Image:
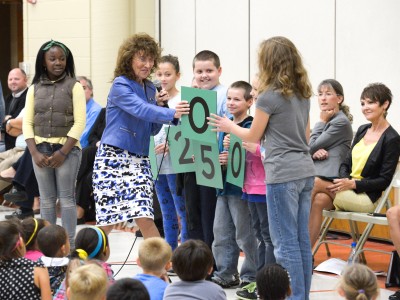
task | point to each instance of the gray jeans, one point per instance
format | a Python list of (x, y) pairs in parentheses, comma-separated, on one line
[(59, 183)]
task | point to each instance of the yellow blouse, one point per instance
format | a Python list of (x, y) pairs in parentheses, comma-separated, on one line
[(359, 157)]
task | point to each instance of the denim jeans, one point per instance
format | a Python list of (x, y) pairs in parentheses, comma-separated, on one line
[(232, 232), (288, 213), (59, 183), (259, 220), (171, 206)]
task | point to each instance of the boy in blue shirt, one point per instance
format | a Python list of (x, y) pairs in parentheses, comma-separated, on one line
[(155, 259), (232, 222)]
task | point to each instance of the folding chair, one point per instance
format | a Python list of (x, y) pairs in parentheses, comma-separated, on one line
[(330, 216), (383, 202)]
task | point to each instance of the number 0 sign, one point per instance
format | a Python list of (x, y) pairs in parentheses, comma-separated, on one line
[(237, 158), (202, 103)]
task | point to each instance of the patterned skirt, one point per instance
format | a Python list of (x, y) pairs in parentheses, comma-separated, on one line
[(122, 186)]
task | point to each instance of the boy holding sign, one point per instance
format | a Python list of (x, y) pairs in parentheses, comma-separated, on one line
[(201, 200), (232, 222)]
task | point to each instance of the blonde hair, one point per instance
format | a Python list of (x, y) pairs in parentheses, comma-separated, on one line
[(154, 254), (359, 282), (281, 68), (88, 282)]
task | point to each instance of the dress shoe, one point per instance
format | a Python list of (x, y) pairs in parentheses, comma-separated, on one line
[(20, 215), (15, 196)]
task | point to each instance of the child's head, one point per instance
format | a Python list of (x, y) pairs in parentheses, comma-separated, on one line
[(281, 68), (91, 243), (206, 69), (192, 260), (273, 283), (88, 282), (358, 282), (50, 52), (11, 243), (31, 228), (128, 289), (154, 255), (168, 72), (239, 99), (53, 241)]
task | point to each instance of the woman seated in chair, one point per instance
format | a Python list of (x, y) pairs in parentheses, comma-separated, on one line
[(329, 144), (368, 167)]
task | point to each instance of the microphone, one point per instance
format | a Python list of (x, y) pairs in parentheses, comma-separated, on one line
[(157, 84)]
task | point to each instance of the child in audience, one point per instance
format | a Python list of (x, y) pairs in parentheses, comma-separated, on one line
[(193, 262), (171, 203), (128, 289), (155, 259), (20, 278), (358, 282), (31, 228), (92, 243), (88, 282), (273, 283), (201, 200), (73, 264), (53, 242), (232, 223)]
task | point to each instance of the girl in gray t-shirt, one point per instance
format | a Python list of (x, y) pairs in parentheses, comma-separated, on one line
[(281, 120)]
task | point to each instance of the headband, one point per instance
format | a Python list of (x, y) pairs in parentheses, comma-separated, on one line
[(34, 232), (102, 238), (53, 43)]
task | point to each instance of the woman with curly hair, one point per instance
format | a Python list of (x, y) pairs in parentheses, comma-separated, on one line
[(282, 121), (122, 179)]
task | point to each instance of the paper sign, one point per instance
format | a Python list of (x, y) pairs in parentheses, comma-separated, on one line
[(236, 162)]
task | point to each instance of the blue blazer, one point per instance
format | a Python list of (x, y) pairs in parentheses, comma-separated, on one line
[(132, 115)]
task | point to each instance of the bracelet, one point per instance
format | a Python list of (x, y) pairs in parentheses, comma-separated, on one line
[(62, 153)]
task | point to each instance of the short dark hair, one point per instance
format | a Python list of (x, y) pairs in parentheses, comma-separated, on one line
[(127, 289), (192, 260), (273, 283), (51, 238), (244, 86), (207, 55), (377, 92)]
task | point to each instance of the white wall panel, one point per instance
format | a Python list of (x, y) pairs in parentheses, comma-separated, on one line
[(310, 25), (223, 27), (178, 34), (368, 48)]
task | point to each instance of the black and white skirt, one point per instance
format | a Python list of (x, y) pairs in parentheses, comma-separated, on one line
[(122, 186)]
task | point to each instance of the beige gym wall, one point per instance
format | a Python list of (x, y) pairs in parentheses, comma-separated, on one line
[(92, 29)]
